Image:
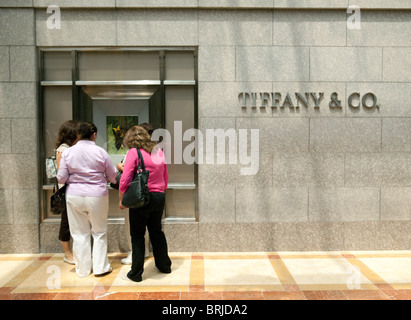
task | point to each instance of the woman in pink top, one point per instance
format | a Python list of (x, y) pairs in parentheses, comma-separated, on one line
[(150, 215)]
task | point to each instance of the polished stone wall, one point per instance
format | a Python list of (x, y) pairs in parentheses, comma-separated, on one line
[(328, 179), (19, 193)]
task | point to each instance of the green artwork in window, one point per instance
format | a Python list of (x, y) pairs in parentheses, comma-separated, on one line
[(117, 127)]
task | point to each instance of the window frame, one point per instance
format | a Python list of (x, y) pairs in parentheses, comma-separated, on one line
[(75, 83)]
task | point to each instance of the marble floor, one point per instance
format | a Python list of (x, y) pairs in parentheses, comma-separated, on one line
[(365, 275)]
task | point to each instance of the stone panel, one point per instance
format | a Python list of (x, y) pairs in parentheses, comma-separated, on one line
[(308, 169), (239, 27), (381, 4), (222, 175), (6, 205), (82, 27), (24, 135), (232, 4), (16, 3), (336, 4), (216, 63), (377, 235), (23, 63), (396, 134), (221, 99), (392, 99), (227, 237), (26, 206), (182, 237), (18, 100), (378, 169), (76, 3), (381, 28), (16, 27), (268, 63), (309, 28), (345, 64), (344, 204), (5, 134), (259, 171), (266, 204), (308, 236), (216, 205), (4, 63), (18, 172), (397, 63), (21, 238), (216, 123), (396, 203), (146, 27), (156, 3), (345, 135), (279, 134)]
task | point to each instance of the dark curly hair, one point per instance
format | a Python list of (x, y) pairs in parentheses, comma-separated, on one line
[(67, 133), (86, 130)]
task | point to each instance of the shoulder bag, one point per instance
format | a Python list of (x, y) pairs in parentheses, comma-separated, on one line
[(58, 199), (137, 194)]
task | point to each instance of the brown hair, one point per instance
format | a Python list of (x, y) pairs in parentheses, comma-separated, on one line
[(67, 133), (138, 137), (148, 127)]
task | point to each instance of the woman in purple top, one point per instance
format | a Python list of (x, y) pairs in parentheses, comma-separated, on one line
[(85, 168)]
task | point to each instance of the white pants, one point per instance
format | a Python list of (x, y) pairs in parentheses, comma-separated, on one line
[(88, 217)]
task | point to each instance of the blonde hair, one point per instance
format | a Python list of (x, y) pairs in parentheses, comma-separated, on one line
[(138, 137)]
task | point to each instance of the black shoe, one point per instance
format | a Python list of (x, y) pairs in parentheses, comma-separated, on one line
[(166, 270), (125, 277)]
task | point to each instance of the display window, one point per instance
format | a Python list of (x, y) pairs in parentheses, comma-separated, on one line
[(116, 88)]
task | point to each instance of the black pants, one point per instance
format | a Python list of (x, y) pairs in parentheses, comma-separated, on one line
[(148, 216), (64, 233)]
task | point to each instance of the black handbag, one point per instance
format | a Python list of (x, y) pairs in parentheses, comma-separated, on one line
[(117, 184), (137, 194), (58, 199)]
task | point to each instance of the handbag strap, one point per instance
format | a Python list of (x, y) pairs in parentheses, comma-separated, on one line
[(56, 186), (141, 160)]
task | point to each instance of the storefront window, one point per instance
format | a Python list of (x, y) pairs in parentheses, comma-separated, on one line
[(133, 85)]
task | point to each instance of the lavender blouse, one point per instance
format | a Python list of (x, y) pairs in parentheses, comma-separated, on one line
[(86, 167)]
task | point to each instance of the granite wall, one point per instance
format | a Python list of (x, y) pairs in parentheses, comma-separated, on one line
[(328, 179)]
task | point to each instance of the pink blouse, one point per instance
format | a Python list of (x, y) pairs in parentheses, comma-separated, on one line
[(155, 163)]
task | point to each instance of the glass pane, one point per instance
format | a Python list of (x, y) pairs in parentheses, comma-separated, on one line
[(57, 66), (180, 204), (123, 113), (179, 65), (179, 118), (57, 110), (118, 66)]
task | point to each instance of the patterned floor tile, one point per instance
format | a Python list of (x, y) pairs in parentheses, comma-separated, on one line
[(359, 275)]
